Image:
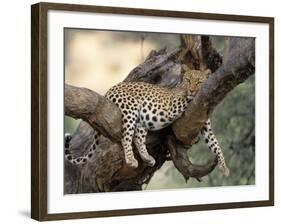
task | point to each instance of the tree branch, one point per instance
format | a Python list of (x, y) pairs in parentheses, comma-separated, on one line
[(93, 108), (183, 164)]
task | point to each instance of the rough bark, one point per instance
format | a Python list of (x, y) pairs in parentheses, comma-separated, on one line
[(107, 171), (93, 108), (182, 162)]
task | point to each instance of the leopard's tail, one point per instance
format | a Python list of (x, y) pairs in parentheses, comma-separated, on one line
[(79, 160)]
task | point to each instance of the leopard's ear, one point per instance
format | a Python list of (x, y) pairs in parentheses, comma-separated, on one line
[(207, 72), (185, 68)]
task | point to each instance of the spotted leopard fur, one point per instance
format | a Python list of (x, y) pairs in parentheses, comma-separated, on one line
[(147, 107)]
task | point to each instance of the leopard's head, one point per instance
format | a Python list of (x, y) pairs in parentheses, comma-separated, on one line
[(193, 79)]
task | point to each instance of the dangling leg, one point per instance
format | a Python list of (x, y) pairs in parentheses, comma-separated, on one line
[(211, 141), (127, 139), (139, 140)]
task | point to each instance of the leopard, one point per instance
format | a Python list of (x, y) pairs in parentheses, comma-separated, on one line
[(149, 107)]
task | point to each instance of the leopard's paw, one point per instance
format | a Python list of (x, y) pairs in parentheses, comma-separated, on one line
[(148, 159), (224, 170), (132, 162), (151, 162)]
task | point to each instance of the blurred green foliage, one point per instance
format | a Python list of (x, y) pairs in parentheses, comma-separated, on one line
[(70, 124)]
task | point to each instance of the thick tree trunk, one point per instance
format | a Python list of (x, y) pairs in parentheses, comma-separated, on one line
[(107, 170)]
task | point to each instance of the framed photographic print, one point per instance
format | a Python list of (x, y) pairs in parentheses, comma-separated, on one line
[(138, 111)]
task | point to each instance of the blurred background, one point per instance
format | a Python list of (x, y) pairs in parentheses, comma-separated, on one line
[(100, 59)]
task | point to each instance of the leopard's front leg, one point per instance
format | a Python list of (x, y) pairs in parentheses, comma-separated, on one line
[(211, 141)]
